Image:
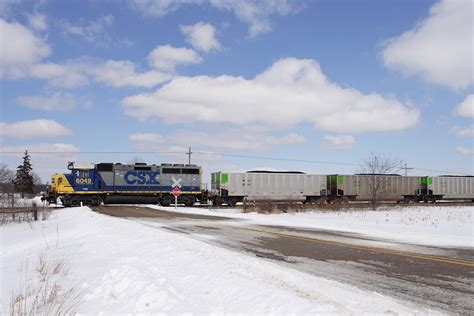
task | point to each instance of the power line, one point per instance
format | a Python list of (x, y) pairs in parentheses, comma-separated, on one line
[(278, 159), (216, 154), (312, 161), (89, 152)]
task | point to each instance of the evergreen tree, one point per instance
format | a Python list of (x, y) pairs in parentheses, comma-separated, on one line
[(24, 179)]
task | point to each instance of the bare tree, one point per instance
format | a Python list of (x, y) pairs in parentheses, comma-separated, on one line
[(377, 168), (36, 178), (6, 174)]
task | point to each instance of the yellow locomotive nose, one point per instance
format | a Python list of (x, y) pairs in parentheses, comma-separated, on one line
[(60, 184)]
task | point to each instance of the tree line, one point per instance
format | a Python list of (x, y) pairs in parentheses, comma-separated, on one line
[(24, 180)]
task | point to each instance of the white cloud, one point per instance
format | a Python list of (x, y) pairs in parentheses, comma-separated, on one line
[(67, 75), (256, 13), (46, 158), (290, 92), (340, 141), (439, 49), (93, 31), (146, 140), (466, 107), (19, 49), (166, 57), (201, 36), (464, 151), (24, 54), (121, 73), (464, 131), (158, 8), (23, 58), (244, 139), (40, 128), (58, 101), (114, 73), (37, 21)]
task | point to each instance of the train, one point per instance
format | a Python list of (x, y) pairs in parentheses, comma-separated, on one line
[(112, 183), (231, 188)]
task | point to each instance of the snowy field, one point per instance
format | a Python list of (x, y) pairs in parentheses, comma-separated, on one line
[(435, 225), (118, 266)]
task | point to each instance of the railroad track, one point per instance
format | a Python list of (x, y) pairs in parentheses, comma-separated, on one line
[(336, 206), (282, 206)]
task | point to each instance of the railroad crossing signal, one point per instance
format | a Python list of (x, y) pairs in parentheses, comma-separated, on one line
[(176, 192)]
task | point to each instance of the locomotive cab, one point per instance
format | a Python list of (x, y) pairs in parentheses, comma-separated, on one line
[(59, 185)]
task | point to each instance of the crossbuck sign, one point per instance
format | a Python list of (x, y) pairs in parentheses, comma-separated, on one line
[(176, 183)]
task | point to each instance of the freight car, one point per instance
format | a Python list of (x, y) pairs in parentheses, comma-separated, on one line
[(449, 188), (108, 183), (365, 187), (231, 188)]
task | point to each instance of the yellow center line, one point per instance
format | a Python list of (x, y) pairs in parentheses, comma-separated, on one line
[(368, 248)]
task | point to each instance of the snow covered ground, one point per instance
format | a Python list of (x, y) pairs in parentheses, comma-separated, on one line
[(6, 201), (435, 225), (121, 266)]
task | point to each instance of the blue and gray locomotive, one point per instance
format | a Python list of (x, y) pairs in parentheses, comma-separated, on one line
[(112, 183)]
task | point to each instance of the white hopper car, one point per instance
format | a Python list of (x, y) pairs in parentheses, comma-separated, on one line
[(363, 187), (231, 188), (450, 188)]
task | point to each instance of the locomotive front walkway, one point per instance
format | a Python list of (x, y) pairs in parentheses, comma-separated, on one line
[(439, 278)]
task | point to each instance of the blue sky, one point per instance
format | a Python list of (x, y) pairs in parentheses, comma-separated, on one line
[(310, 80)]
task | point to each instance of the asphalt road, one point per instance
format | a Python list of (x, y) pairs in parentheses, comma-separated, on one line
[(438, 278)]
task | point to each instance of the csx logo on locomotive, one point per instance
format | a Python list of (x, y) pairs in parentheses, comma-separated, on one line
[(142, 177)]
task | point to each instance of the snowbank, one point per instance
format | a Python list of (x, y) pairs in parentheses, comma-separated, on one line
[(122, 266), (435, 225)]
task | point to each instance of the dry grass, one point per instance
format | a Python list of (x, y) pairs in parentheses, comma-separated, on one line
[(45, 292), (22, 211), (270, 207), (273, 207), (11, 216)]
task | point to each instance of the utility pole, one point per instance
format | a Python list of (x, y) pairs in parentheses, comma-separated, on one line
[(406, 169), (189, 153)]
